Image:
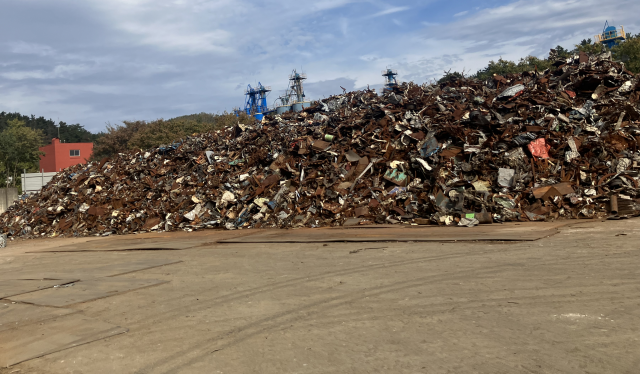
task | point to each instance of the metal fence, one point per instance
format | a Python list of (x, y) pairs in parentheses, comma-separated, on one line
[(33, 182)]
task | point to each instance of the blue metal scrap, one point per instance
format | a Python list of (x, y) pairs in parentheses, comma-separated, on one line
[(396, 176), (429, 147)]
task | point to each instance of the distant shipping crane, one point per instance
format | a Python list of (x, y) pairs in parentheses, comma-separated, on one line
[(390, 80), (255, 103), (294, 97), (610, 36)]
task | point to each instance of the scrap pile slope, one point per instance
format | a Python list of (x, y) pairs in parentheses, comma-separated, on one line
[(533, 146)]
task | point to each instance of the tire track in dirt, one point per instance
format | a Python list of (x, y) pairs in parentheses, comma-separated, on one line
[(291, 316), (206, 304)]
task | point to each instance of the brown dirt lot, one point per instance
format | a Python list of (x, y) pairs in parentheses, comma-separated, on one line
[(566, 303)]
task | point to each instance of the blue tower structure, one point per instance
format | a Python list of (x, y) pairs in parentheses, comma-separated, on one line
[(390, 80), (610, 36), (255, 103)]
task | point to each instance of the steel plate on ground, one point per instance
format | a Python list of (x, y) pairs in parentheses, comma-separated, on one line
[(84, 291), (87, 271), (495, 232), (12, 287), (17, 315), (40, 339)]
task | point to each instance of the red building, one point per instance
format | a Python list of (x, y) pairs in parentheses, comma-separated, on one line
[(58, 156)]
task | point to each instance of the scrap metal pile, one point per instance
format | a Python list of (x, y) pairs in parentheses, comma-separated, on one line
[(533, 146)]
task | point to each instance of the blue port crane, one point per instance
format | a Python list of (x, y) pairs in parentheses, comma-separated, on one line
[(255, 103), (390, 80), (610, 36)]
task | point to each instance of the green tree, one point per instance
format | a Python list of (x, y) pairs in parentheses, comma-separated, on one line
[(75, 133), (629, 52), (199, 117), (67, 133), (46, 126), (591, 48), (585, 42), (500, 67), (504, 67), (116, 139), (142, 135), (161, 132), (19, 149), (450, 77), (563, 52), (531, 63), (229, 119)]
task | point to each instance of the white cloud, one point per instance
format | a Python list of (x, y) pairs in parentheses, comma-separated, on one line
[(60, 71), (532, 19), (174, 38), (221, 26), (19, 75), (146, 59), (390, 11), (23, 100), (189, 26), (328, 4), (518, 29), (369, 58), (344, 26), (31, 48)]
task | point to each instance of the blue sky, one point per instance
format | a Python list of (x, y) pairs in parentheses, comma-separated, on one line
[(104, 61)]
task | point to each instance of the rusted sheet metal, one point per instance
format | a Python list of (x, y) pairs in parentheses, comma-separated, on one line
[(508, 232)]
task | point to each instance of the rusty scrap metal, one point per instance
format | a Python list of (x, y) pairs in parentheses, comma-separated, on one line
[(532, 146)]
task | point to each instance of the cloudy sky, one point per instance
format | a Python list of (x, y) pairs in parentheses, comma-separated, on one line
[(95, 62)]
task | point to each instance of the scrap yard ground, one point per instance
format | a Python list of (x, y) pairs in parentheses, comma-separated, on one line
[(513, 298)]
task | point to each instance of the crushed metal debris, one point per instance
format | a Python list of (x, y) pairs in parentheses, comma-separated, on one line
[(526, 147)]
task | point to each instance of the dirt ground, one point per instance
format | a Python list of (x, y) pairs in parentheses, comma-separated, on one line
[(566, 303)]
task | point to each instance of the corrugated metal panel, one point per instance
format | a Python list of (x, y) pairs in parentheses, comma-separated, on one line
[(33, 182)]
